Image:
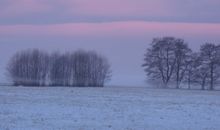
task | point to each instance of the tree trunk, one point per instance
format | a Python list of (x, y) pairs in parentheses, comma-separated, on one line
[(177, 79), (189, 81), (203, 84), (212, 78)]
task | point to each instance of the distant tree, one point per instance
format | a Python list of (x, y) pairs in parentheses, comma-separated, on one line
[(167, 59), (91, 69), (204, 67), (100, 69), (38, 67), (80, 68), (29, 68), (160, 59), (60, 69), (54, 69), (182, 56), (191, 69), (210, 56), (16, 70), (198, 71)]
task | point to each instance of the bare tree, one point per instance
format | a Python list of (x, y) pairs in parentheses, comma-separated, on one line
[(201, 73), (38, 65), (29, 68), (90, 69), (192, 63), (14, 69), (60, 69), (204, 68), (54, 72), (210, 56), (160, 59), (197, 72), (99, 69), (182, 55), (80, 68), (168, 59)]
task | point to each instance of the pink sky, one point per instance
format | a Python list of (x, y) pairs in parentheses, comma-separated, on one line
[(88, 7), (30, 11), (117, 29)]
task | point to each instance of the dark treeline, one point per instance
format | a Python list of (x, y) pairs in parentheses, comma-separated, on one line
[(38, 68), (171, 60)]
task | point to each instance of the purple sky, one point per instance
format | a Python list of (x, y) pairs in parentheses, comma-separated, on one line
[(119, 29)]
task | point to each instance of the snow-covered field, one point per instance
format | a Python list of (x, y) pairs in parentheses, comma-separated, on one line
[(108, 109)]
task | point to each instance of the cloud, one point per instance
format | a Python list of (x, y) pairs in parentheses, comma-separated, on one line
[(120, 8), (111, 29), (57, 11), (15, 8)]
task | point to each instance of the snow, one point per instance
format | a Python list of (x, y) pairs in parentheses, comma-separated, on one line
[(110, 108)]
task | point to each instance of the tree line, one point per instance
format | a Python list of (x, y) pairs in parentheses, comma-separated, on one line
[(170, 60), (38, 68)]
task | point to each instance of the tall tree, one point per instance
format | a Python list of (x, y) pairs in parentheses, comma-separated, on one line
[(160, 59), (210, 54), (29, 68), (182, 55), (191, 69), (199, 71)]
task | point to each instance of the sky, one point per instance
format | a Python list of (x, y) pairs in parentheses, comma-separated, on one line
[(119, 29)]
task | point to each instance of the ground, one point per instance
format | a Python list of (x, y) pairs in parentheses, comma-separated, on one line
[(110, 108)]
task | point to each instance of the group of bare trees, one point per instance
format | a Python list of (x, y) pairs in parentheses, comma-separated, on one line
[(38, 68), (171, 60), (29, 68)]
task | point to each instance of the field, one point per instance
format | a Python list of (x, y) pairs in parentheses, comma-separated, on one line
[(110, 108)]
